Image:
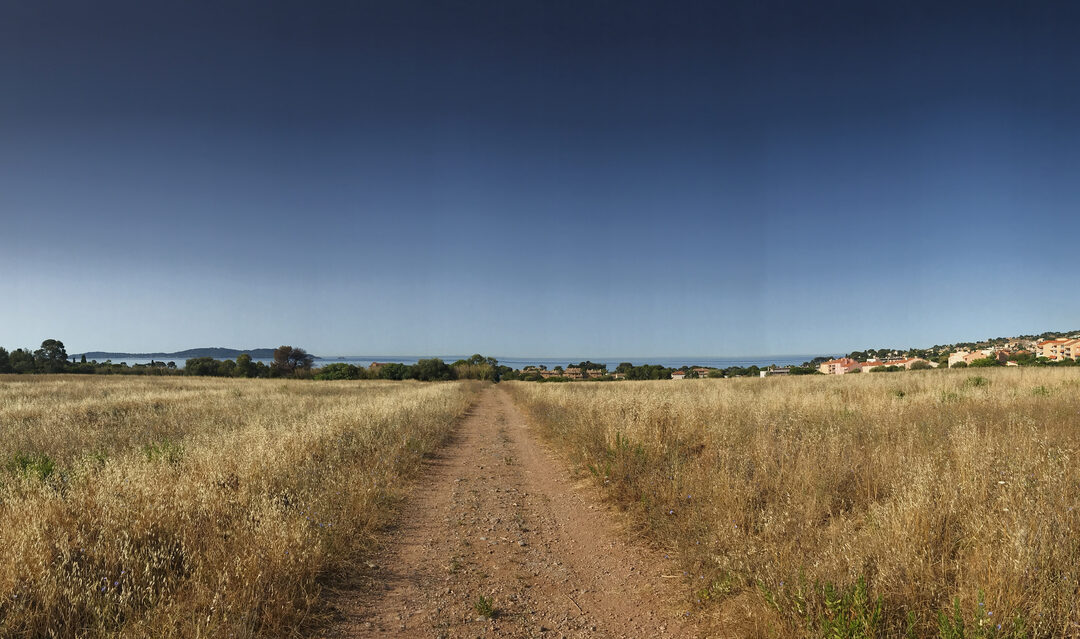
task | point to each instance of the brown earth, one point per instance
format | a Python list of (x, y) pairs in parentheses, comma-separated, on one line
[(497, 515)]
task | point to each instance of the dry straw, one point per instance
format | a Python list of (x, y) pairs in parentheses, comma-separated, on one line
[(181, 507), (936, 503)]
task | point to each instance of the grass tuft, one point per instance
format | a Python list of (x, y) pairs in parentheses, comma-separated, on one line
[(485, 607)]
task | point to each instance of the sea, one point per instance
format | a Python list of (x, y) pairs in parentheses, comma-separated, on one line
[(549, 362)]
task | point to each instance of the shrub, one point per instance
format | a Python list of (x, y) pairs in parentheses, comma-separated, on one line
[(339, 371), (394, 371), (431, 370), (34, 465)]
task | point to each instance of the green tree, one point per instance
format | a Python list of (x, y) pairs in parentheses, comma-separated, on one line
[(5, 362), (394, 371), (52, 356), (244, 366), (338, 371), (430, 370), (226, 368), (203, 366), (289, 360), (22, 361)]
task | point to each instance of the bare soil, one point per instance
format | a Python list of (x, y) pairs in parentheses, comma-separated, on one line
[(497, 515)]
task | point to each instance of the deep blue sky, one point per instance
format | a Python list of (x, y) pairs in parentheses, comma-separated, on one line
[(537, 178)]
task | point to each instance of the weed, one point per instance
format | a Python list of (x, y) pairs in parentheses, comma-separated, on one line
[(850, 612), (1040, 391), (165, 450), (976, 381), (948, 397), (980, 623), (951, 627), (485, 607), (33, 465)]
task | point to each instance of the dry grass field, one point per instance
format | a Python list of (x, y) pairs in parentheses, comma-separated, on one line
[(196, 507), (936, 503)]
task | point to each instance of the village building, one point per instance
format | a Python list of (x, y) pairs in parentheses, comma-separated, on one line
[(774, 372), (573, 372), (970, 356), (1058, 349), (902, 362), (838, 366), (702, 372), (678, 375), (908, 362)]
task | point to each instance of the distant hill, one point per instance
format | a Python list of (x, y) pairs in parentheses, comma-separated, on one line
[(215, 352)]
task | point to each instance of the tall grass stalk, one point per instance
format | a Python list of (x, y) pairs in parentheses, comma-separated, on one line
[(866, 505), (182, 507)]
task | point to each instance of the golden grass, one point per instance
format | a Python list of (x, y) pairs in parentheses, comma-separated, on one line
[(196, 507), (783, 497)]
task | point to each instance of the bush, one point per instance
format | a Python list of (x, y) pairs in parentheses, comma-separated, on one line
[(201, 366), (394, 371), (339, 371), (432, 370)]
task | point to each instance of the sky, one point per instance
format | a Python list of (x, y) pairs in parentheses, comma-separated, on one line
[(527, 178)]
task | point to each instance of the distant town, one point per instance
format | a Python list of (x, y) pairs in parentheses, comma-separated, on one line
[(1047, 349)]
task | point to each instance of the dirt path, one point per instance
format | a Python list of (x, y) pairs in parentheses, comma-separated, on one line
[(497, 516)]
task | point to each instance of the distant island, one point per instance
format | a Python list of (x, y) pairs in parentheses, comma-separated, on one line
[(216, 352)]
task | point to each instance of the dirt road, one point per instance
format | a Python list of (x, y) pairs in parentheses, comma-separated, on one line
[(497, 516)]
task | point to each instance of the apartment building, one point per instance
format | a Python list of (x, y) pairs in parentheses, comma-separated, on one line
[(1058, 349), (839, 366)]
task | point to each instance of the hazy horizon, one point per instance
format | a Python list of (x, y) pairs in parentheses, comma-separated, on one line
[(561, 177)]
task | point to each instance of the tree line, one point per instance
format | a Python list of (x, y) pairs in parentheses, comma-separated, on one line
[(52, 357), (289, 362)]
